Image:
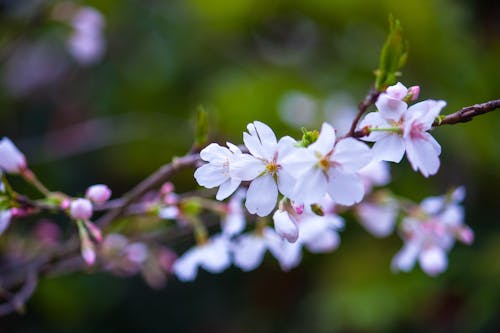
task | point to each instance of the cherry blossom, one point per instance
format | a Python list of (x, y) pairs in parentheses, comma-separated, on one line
[(217, 171), (267, 169), (234, 221), (212, 256), (86, 43), (430, 233), (329, 167), (11, 159), (378, 218), (397, 128)]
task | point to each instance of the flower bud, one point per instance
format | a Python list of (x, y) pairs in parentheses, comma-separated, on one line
[(11, 159), (88, 253), (81, 209), (167, 188), (413, 93), (465, 235), (285, 227), (98, 193)]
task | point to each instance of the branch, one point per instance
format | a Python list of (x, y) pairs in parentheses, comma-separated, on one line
[(468, 113), (16, 303), (154, 180), (370, 99)]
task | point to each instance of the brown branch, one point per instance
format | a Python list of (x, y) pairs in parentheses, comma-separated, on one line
[(154, 180), (468, 113), (369, 100)]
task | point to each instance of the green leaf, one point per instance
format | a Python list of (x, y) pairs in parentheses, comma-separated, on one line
[(201, 131), (393, 56)]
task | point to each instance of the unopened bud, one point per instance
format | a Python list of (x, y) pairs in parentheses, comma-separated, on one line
[(167, 188), (81, 209), (88, 253), (413, 93), (11, 159), (98, 193)]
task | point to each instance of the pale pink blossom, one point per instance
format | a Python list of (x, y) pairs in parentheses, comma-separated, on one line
[(233, 222), (212, 256), (375, 173), (98, 193), (329, 167), (11, 159), (266, 169), (81, 209), (431, 233), (397, 128), (87, 44), (378, 218), (217, 171)]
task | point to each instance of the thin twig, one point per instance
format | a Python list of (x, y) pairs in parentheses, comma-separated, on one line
[(16, 303), (369, 100), (154, 180)]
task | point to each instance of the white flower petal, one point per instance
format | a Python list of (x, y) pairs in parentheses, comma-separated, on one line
[(262, 195), (210, 175), (397, 91), (390, 108), (254, 145), (214, 256), (390, 148), (286, 182), (246, 167), (249, 252), (351, 154), (214, 152), (311, 187), (378, 219), (227, 188), (433, 260), (405, 259), (326, 140), (186, 267), (326, 241), (345, 188), (11, 159), (422, 156)]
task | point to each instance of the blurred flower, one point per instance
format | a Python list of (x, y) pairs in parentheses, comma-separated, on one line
[(98, 193), (378, 218), (47, 232), (430, 233), (298, 109), (375, 173), (234, 220), (11, 159), (87, 44), (213, 256)]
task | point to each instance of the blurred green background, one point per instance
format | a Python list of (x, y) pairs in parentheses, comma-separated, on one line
[(116, 121)]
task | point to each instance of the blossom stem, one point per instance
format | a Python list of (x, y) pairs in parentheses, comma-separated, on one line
[(31, 178)]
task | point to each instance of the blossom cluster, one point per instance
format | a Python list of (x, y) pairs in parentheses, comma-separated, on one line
[(303, 181)]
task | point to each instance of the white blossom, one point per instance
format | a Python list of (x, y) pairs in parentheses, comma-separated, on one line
[(325, 167), (212, 256), (267, 169), (5, 217), (378, 218), (217, 171), (234, 221)]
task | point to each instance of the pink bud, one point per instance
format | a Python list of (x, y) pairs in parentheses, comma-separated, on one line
[(299, 209), (98, 193), (11, 159), (171, 199), (94, 231), (81, 209), (413, 92), (167, 188), (88, 253), (66, 203), (465, 235)]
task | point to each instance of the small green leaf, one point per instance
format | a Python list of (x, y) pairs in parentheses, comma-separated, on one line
[(393, 56), (201, 131)]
